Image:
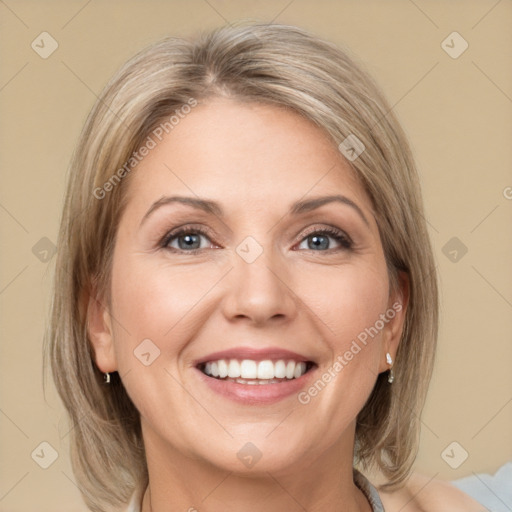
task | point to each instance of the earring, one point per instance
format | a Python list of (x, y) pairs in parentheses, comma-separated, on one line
[(107, 378), (389, 360)]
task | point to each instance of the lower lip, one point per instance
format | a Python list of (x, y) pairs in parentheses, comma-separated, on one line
[(254, 394)]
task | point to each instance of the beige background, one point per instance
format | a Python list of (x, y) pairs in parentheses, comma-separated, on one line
[(457, 112)]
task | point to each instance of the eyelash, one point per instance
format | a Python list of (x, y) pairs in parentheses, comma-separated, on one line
[(343, 239)]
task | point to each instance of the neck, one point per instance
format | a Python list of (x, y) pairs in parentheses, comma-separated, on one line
[(181, 482)]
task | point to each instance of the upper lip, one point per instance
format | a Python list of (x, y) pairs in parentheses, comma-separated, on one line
[(255, 354)]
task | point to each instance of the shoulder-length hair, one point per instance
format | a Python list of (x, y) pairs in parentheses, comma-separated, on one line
[(271, 64)]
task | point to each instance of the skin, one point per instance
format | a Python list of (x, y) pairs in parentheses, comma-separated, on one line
[(255, 161)]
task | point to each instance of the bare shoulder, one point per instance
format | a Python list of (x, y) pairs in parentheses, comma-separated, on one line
[(425, 494)]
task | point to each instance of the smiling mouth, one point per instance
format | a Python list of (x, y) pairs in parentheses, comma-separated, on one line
[(251, 372)]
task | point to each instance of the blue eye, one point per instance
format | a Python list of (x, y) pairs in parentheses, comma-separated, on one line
[(320, 240), (189, 240)]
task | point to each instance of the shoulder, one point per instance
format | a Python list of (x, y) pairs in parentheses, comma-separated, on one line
[(425, 494)]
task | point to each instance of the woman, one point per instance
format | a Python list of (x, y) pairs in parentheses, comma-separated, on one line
[(245, 298)]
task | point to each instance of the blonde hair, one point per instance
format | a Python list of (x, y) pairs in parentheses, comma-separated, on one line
[(276, 65)]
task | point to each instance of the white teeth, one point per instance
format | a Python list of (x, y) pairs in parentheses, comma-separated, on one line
[(223, 368), (234, 369), (279, 370), (248, 371), (266, 370), (290, 370), (299, 369)]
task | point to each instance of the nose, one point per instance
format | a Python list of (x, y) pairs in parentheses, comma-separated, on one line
[(260, 291)]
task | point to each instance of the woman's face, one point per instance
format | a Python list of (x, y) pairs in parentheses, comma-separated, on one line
[(253, 286)]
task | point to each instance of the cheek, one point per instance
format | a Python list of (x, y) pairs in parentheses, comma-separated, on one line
[(153, 301), (350, 304), (155, 309), (349, 300)]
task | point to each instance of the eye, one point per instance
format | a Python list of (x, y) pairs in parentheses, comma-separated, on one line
[(318, 240), (186, 239)]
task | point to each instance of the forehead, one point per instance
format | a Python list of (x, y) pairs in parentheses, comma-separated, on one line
[(247, 154)]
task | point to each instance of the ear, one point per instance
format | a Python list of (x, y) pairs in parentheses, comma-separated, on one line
[(99, 329), (396, 312)]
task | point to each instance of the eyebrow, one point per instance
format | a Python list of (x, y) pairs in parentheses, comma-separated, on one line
[(214, 208)]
